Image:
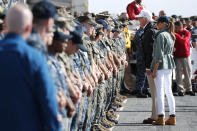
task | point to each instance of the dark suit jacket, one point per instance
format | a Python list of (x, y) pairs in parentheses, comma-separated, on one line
[(147, 43)]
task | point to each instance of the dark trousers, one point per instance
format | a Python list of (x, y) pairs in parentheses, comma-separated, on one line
[(141, 79)]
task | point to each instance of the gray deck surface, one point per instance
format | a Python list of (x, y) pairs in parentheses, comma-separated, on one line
[(137, 109)]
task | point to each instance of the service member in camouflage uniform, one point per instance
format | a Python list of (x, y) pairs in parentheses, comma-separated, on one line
[(58, 74), (88, 24), (141, 80), (110, 64)]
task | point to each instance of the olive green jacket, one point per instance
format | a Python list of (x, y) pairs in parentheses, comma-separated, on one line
[(163, 51)]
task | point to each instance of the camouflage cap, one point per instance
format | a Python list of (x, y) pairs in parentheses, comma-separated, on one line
[(116, 29), (101, 16), (65, 20), (63, 13), (110, 22), (91, 15), (66, 25), (60, 35), (106, 13), (86, 19)]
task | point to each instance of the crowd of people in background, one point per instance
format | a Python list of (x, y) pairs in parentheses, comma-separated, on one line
[(162, 44), (71, 72)]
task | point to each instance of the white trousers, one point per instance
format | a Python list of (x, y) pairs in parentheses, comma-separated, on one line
[(163, 83)]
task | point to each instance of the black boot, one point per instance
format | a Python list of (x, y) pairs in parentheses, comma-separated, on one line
[(141, 95)]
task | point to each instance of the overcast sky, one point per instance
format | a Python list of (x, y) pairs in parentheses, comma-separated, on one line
[(185, 8)]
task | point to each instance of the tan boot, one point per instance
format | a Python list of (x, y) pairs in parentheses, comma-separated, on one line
[(104, 120), (102, 128), (118, 103), (159, 121), (171, 121), (99, 127), (114, 116), (121, 96)]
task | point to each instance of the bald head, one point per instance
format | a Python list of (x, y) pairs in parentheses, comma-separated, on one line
[(161, 13), (19, 20)]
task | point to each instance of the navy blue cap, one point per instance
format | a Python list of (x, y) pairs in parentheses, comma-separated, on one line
[(104, 23), (44, 10), (59, 35), (175, 16), (163, 19), (77, 22), (116, 30), (77, 39), (79, 26)]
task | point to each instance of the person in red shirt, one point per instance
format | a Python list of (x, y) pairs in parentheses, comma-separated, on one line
[(134, 8), (182, 59)]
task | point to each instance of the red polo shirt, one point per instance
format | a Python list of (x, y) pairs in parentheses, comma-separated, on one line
[(134, 9), (182, 44)]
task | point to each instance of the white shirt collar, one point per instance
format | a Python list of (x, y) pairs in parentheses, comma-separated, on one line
[(145, 25)]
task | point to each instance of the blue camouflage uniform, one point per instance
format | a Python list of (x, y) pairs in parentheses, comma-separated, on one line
[(101, 89), (36, 41), (60, 82), (84, 104), (77, 67), (141, 79), (105, 91), (118, 50)]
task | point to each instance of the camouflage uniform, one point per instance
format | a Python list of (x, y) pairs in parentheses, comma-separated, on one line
[(105, 43), (109, 87), (84, 104), (113, 83), (36, 41), (122, 69), (60, 82), (77, 67), (101, 88), (93, 101), (117, 50), (66, 62), (141, 80), (88, 59)]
